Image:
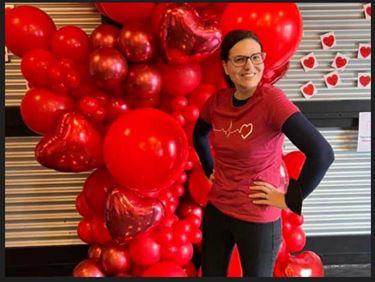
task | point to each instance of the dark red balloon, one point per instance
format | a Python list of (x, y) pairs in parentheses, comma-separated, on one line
[(180, 79), (92, 108), (82, 207), (27, 28), (115, 259), (127, 12), (137, 43), (95, 252), (272, 22), (144, 250), (186, 37), (108, 66), (153, 143), (189, 207), (84, 231), (41, 109), (70, 42), (74, 146), (143, 81), (88, 268), (116, 107), (165, 269), (104, 35), (35, 65)]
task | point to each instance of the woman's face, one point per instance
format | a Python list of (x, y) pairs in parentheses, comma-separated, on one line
[(246, 76)]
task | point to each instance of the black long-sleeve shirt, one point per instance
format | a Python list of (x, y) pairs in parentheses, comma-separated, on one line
[(299, 130)]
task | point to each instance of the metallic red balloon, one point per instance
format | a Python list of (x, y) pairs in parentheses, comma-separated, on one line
[(186, 37), (70, 42), (115, 259), (143, 81), (95, 252), (128, 214), (108, 66), (104, 35), (74, 146), (88, 268), (27, 28), (41, 109), (137, 43), (116, 106), (145, 150), (305, 264)]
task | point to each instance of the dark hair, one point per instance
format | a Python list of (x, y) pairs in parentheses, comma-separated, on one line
[(231, 39)]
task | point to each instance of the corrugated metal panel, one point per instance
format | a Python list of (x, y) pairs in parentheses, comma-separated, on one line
[(341, 204), (39, 202), (82, 15), (348, 23)]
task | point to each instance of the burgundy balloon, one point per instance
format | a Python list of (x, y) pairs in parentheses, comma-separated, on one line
[(95, 252), (88, 268), (115, 259), (104, 35), (92, 108), (128, 214), (116, 106), (143, 81), (186, 37), (137, 43), (108, 66), (74, 146)]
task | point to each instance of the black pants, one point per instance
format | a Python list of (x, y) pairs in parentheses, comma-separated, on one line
[(257, 243)]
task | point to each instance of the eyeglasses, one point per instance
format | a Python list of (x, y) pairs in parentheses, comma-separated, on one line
[(256, 59)]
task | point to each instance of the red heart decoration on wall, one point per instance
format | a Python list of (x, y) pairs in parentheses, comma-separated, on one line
[(329, 40), (368, 11), (128, 214), (365, 51), (186, 37), (333, 79), (309, 89), (365, 80), (75, 146), (340, 62), (309, 62)]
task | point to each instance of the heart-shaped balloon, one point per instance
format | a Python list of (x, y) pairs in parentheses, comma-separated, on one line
[(306, 264), (187, 37), (128, 214), (74, 146)]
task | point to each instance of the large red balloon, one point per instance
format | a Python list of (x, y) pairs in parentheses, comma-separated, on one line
[(145, 150), (127, 12), (41, 109), (143, 81), (27, 28), (180, 79), (88, 268), (278, 26), (71, 42), (165, 269)]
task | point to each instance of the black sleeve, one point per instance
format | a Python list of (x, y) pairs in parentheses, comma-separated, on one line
[(319, 157), (202, 145)]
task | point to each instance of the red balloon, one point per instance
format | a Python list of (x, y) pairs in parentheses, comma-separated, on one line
[(293, 218), (295, 241), (188, 208), (100, 231), (191, 113), (95, 252), (143, 81), (213, 72), (272, 22), (186, 37), (305, 264), (115, 259), (190, 269), (180, 79), (164, 235), (201, 94), (27, 28), (184, 254), (199, 186), (96, 189), (235, 268), (164, 269), (137, 43), (74, 146), (104, 35), (282, 255), (92, 108), (88, 268), (108, 66), (41, 109), (84, 231), (127, 12), (82, 206), (34, 66), (271, 76), (144, 250), (294, 162), (127, 214), (153, 143), (136, 102), (70, 42)]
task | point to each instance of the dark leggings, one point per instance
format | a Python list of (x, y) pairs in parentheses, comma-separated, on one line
[(257, 243)]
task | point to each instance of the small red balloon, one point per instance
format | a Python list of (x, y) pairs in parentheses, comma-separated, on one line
[(88, 268), (115, 259), (84, 231), (95, 252), (82, 206), (104, 35), (143, 81), (165, 269), (144, 250)]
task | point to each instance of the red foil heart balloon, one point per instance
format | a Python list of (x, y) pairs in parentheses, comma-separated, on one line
[(187, 37), (75, 146), (305, 264), (128, 214)]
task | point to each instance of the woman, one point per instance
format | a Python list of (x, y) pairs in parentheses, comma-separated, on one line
[(248, 121)]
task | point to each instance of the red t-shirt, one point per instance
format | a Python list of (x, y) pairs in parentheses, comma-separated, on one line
[(247, 141)]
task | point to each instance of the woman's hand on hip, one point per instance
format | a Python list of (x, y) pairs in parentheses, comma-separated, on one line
[(266, 194)]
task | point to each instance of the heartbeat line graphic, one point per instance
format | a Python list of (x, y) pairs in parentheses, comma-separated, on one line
[(244, 131)]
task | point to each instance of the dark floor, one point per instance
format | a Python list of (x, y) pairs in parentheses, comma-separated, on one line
[(348, 270)]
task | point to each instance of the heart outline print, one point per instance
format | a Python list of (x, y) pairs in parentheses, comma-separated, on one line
[(241, 131)]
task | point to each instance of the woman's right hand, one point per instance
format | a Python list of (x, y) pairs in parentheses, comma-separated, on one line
[(212, 177)]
